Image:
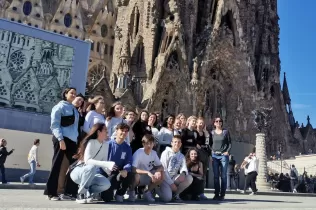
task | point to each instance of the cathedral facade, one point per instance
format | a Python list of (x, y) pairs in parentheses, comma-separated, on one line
[(202, 57)]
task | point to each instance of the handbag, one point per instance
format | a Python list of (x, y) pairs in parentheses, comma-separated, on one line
[(66, 121), (75, 164)]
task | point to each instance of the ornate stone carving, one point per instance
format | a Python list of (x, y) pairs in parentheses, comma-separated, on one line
[(262, 119)]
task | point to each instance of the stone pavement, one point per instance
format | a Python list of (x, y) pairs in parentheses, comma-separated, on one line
[(34, 199)]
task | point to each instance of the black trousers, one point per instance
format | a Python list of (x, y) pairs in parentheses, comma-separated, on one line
[(251, 181), (120, 186), (195, 189), (71, 149), (2, 169)]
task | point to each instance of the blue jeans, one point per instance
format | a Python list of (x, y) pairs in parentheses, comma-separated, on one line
[(89, 181), (220, 165), (31, 174)]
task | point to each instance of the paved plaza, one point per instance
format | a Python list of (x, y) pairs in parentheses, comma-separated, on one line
[(34, 199)]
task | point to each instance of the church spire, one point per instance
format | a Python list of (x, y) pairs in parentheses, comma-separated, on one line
[(285, 90)]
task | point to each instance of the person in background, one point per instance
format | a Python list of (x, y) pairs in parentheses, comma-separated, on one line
[(114, 118), (3, 157), (147, 168), (95, 115), (140, 129), (237, 178), (183, 120), (177, 130), (294, 179), (231, 173), (195, 168), (64, 126), (130, 118), (252, 173), (33, 161), (92, 154), (120, 153), (79, 103), (177, 177), (189, 135), (165, 133), (220, 157)]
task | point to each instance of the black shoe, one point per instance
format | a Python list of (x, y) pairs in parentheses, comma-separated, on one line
[(216, 197), (222, 197), (195, 198)]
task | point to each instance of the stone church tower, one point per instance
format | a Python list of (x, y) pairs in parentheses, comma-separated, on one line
[(202, 57)]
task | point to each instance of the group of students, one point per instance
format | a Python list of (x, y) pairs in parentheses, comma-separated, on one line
[(106, 155)]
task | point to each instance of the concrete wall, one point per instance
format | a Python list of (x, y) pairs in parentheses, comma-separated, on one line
[(304, 161)]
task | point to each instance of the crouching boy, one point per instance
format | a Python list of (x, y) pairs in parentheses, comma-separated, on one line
[(147, 168), (177, 178)]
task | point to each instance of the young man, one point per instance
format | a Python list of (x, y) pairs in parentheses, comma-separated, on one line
[(120, 153), (177, 177), (147, 168)]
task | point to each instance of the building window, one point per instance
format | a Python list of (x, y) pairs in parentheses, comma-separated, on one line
[(92, 46), (67, 20), (27, 8), (106, 49), (104, 30), (111, 50), (98, 47)]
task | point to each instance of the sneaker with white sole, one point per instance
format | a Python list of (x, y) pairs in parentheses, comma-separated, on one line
[(131, 196), (64, 197), (22, 180), (81, 198), (119, 198), (148, 196), (55, 198), (253, 193)]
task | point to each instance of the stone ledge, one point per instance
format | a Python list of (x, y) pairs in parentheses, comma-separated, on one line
[(272, 193), (26, 186)]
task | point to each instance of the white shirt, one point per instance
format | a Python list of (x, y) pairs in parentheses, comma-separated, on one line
[(253, 164), (165, 136), (145, 162), (33, 154), (91, 119)]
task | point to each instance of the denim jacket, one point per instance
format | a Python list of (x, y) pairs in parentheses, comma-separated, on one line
[(64, 108)]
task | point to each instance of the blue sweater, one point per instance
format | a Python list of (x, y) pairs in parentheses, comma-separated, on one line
[(121, 154)]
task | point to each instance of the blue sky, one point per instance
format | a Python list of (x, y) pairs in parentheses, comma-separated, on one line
[(298, 55)]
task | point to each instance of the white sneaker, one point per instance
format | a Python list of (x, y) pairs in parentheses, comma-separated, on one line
[(64, 197), (119, 198), (131, 196), (253, 193), (243, 192), (22, 180), (55, 198), (149, 197), (81, 199)]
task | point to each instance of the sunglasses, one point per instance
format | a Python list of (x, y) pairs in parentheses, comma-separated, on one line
[(217, 121)]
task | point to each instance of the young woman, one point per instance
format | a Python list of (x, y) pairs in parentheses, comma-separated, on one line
[(95, 114), (3, 157), (114, 118), (140, 129), (64, 125), (204, 145), (92, 154), (189, 135), (33, 161), (79, 103), (152, 122), (166, 133), (220, 157), (183, 120), (195, 168), (130, 118)]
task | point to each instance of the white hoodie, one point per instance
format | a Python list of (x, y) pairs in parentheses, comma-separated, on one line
[(173, 163)]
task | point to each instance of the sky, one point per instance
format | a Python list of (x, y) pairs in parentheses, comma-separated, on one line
[(298, 55)]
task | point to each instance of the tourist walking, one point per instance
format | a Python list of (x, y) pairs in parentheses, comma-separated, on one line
[(294, 179), (231, 184), (3, 157), (33, 161), (92, 154), (220, 157), (64, 126), (252, 173)]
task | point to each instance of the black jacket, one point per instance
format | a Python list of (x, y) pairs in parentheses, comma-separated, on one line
[(3, 154)]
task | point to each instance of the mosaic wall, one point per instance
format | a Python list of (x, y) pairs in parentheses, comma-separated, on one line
[(33, 72)]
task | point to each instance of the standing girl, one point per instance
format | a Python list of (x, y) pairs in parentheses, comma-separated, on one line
[(33, 161), (64, 125), (114, 118)]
